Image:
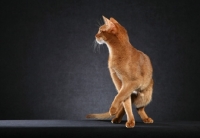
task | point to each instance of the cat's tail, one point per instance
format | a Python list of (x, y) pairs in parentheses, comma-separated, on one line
[(100, 116)]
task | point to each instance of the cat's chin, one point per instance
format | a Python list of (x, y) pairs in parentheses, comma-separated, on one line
[(100, 42)]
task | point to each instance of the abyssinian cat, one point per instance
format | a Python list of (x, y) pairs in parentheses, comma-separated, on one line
[(131, 72)]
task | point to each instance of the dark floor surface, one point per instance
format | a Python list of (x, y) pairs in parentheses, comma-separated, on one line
[(96, 128)]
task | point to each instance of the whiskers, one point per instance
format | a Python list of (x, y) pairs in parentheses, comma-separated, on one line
[(100, 22), (97, 47)]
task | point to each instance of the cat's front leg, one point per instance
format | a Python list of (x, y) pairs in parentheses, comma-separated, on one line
[(128, 109), (124, 93), (117, 82)]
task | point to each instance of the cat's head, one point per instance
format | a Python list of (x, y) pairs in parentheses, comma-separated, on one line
[(111, 31)]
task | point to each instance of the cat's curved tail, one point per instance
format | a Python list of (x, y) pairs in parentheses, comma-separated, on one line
[(101, 116)]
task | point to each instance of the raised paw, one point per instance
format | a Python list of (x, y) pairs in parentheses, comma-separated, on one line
[(113, 111), (148, 120), (130, 124), (116, 120)]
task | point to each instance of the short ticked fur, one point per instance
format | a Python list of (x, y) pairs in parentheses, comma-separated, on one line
[(131, 72)]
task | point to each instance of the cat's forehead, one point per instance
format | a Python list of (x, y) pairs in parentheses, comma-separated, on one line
[(103, 27)]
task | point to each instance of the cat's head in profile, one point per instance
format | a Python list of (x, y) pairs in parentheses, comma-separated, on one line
[(111, 32)]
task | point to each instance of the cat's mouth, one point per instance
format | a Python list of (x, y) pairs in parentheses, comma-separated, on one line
[(100, 41)]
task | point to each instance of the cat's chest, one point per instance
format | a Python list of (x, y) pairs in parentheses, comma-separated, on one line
[(115, 59), (117, 62), (113, 63), (116, 67)]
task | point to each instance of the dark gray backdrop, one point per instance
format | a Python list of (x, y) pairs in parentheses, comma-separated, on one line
[(49, 69)]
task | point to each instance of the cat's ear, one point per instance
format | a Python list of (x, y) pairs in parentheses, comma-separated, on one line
[(113, 20), (106, 20), (111, 25)]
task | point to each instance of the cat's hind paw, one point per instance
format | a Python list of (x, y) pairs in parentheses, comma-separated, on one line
[(148, 120)]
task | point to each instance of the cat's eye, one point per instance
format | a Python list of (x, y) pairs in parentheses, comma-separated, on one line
[(101, 31)]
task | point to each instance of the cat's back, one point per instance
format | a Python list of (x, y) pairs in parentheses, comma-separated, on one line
[(139, 63), (145, 68)]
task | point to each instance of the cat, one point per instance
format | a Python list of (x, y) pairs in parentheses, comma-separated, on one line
[(131, 72)]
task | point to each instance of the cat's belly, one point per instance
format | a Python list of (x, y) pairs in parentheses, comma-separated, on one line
[(136, 93)]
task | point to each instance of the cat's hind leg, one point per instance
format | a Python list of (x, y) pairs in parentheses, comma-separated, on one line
[(143, 99), (144, 116)]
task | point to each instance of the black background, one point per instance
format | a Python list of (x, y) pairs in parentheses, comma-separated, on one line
[(50, 69)]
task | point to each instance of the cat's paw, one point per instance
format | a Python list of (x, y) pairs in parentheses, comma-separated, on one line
[(130, 124), (148, 120), (113, 111), (116, 120)]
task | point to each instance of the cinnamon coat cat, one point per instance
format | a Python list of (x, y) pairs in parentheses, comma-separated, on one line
[(131, 73)]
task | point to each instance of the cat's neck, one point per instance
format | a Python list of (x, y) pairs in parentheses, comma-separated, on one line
[(115, 48)]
